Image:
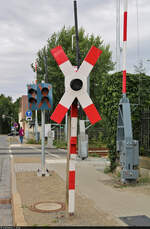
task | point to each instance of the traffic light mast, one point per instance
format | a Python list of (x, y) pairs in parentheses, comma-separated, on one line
[(40, 98), (36, 112), (44, 92)]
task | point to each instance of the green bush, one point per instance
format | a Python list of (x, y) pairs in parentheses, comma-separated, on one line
[(107, 169), (144, 180), (32, 141), (60, 144), (94, 155)]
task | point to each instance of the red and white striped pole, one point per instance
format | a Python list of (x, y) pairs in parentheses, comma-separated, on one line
[(69, 99), (72, 159), (124, 46)]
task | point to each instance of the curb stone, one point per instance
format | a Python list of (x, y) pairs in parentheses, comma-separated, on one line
[(17, 210)]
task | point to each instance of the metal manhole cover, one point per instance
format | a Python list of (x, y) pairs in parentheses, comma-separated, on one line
[(48, 206), (139, 220)]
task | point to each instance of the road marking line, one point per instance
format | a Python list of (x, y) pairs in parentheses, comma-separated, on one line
[(51, 161), (53, 155), (10, 151), (15, 145)]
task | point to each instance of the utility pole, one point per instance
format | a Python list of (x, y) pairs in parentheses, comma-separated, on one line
[(77, 35), (43, 130), (43, 143), (44, 170)]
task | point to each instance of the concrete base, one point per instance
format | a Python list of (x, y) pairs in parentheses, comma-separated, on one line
[(17, 210), (41, 173)]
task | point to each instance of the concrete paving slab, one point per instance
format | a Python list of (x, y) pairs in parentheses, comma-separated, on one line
[(91, 183)]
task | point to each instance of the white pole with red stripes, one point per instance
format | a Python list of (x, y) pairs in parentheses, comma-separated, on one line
[(124, 46), (75, 88), (72, 159)]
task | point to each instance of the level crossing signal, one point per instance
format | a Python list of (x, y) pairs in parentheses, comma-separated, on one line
[(32, 97), (40, 96), (75, 88), (44, 96), (76, 84)]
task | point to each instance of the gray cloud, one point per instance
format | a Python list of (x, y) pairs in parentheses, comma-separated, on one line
[(26, 26)]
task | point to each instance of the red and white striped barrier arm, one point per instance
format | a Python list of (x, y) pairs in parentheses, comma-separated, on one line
[(124, 46), (72, 159)]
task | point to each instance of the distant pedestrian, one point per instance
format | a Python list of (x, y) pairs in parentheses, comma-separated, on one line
[(21, 134)]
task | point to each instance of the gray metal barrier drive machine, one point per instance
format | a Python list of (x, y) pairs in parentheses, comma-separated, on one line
[(126, 146)]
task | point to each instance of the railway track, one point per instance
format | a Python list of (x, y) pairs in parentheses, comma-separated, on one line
[(103, 152), (99, 151)]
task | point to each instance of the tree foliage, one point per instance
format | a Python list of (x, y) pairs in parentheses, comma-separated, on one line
[(10, 109), (138, 86), (105, 88), (55, 76)]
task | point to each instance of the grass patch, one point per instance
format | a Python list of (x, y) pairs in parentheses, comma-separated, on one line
[(24, 206), (118, 174), (32, 141), (144, 180), (94, 155), (55, 221), (141, 181), (96, 144), (107, 169), (61, 144)]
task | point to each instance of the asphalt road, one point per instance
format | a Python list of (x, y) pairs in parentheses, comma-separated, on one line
[(5, 188), (90, 181), (7, 150)]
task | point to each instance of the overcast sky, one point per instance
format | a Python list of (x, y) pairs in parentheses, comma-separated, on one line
[(25, 26)]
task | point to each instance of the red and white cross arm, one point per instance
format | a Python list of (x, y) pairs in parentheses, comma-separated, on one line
[(76, 84), (124, 46)]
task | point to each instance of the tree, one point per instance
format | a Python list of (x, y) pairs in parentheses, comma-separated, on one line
[(55, 76), (139, 69), (105, 88), (10, 109), (16, 106), (112, 92)]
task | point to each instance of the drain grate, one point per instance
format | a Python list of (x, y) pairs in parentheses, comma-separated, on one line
[(139, 220)]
